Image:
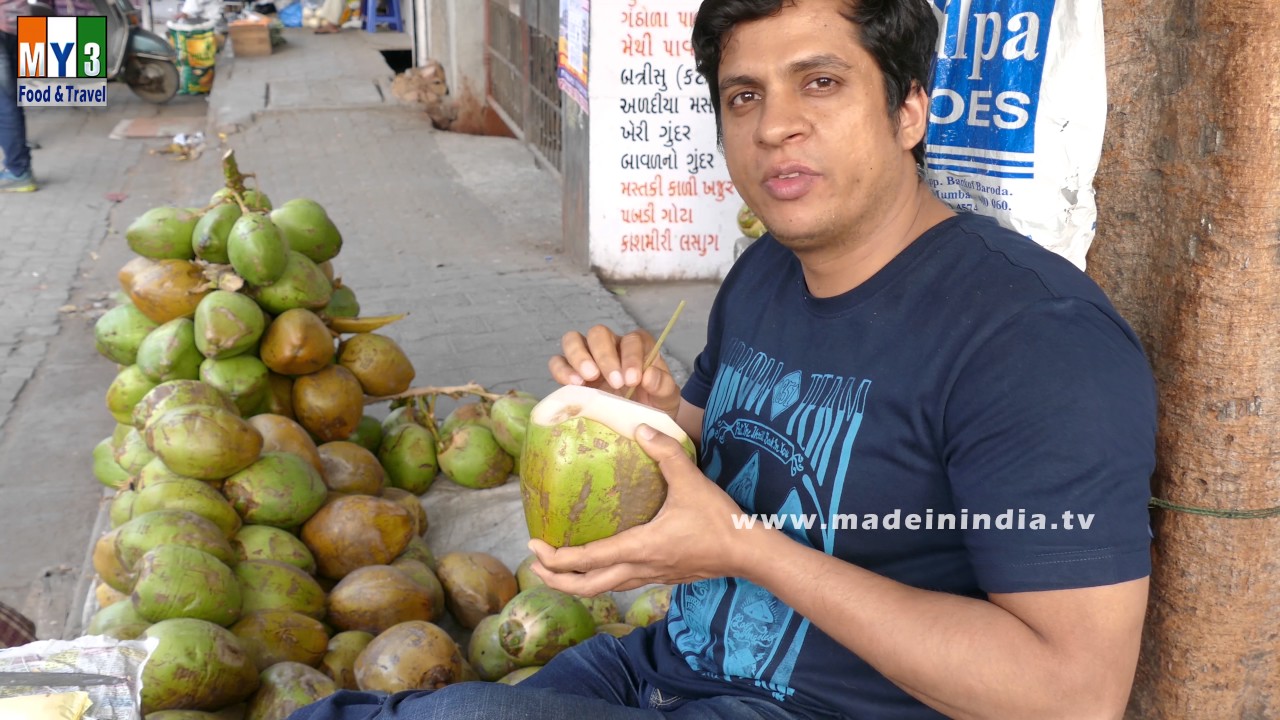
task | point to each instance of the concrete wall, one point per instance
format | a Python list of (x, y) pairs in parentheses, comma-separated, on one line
[(576, 133), (454, 35)]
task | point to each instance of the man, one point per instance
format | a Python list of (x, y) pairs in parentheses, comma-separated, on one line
[(957, 421), (15, 174)]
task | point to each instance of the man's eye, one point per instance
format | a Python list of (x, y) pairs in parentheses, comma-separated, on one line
[(741, 98), (823, 83)]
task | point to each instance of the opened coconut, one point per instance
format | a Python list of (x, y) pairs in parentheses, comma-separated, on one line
[(584, 475)]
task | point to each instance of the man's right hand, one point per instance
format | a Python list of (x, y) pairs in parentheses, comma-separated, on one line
[(613, 363)]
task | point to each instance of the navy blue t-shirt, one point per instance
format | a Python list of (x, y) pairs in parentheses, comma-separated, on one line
[(933, 425)]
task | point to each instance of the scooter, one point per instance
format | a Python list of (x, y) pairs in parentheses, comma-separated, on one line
[(141, 59)]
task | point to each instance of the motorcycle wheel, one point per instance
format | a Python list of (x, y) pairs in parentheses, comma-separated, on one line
[(155, 81)]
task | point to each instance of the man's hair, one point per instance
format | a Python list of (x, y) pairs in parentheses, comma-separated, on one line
[(900, 35)]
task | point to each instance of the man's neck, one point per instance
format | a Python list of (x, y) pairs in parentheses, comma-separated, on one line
[(836, 270)]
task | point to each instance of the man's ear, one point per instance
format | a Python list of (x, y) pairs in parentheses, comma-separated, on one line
[(913, 117)]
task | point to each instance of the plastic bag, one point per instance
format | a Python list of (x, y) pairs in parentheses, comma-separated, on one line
[(197, 48), (92, 654), (1017, 113), (291, 16)]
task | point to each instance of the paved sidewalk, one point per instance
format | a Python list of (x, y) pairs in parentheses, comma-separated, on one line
[(460, 231)]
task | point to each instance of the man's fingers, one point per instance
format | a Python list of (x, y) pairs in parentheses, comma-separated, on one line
[(666, 450), (633, 348), (564, 373), (603, 345), (577, 354)]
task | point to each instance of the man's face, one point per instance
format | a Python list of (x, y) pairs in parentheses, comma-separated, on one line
[(807, 135)]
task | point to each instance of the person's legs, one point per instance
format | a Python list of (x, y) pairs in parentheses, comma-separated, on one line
[(592, 681), (331, 14), (16, 175)]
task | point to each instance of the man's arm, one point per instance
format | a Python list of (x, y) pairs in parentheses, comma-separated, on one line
[(1042, 655)]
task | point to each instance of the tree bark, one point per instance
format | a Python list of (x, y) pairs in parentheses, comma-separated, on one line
[(1188, 247)]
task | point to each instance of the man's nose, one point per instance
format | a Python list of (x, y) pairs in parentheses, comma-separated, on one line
[(782, 118)]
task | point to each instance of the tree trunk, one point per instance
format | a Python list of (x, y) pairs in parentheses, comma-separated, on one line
[(1188, 247)]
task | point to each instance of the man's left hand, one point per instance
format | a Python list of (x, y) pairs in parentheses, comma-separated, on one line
[(691, 538)]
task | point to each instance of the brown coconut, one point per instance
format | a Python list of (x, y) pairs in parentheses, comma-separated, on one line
[(350, 468), (272, 636), (376, 597), (168, 289), (339, 661), (410, 502), (283, 434), (476, 585), (329, 403), (353, 531), (297, 342), (415, 655), (380, 364)]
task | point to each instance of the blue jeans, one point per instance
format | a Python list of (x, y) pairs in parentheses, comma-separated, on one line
[(13, 123), (591, 681)]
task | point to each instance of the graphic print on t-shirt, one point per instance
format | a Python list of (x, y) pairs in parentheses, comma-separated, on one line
[(801, 427)]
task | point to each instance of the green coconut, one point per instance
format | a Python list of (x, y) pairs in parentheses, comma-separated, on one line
[(584, 477), (417, 549), (121, 510), (157, 473), (276, 636), (271, 585), (194, 496), (649, 606), (209, 237), (540, 623), (286, 687), (243, 378), (119, 332), (175, 394), (603, 608), (125, 392), (509, 418), (203, 442), (263, 542), (255, 249), (471, 457), (408, 454), (106, 563), (525, 576), (342, 303), (170, 353), (339, 662), (175, 581), (467, 413), (279, 489), (377, 597), (133, 454), (163, 233), (196, 665), (403, 415), (105, 467), (307, 228), (169, 527), (119, 620), (227, 324), (368, 434), (485, 653), (301, 285)]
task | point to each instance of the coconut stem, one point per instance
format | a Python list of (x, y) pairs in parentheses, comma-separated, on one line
[(453, 391), (231, 170), (653, 354)]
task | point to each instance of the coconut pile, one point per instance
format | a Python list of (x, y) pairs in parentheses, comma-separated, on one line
[(266, 531)]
